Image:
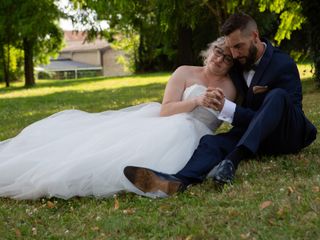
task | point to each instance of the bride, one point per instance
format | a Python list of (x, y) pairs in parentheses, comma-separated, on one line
[(75, 153)]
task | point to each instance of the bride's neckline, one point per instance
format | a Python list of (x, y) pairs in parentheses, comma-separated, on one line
[(196, 84)]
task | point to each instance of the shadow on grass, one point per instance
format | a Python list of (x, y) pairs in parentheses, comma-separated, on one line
[(309, 86)]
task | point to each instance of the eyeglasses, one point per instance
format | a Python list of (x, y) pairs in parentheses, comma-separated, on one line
[(218, 52)]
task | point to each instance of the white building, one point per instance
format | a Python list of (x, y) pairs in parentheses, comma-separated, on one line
[(80, 58)]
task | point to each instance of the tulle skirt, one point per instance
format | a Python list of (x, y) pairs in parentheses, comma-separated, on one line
[(75, 153)]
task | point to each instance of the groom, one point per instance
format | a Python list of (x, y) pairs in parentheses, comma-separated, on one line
[(270, 119)]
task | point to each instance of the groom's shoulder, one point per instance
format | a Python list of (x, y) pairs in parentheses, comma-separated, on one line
[(280, 62), (278, 56)]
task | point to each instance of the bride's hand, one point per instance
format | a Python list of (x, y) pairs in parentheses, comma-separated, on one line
[(214, 99), (201, 100)]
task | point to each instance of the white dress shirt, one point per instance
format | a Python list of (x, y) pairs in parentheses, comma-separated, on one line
[(229, 107)]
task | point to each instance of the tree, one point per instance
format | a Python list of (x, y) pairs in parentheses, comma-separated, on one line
[(37, 25), (5, 57), (311, 10), (11, 59), (290, 17), (31, 26), (173, 32), (136, 20), (164, 29), (293, 15), (8, 36)]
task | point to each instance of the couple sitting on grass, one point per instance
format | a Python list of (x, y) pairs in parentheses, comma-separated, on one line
[(157, 150)]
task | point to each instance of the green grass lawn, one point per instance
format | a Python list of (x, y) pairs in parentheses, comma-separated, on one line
[(272, 198)]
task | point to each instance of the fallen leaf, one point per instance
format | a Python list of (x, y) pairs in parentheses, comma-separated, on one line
[(129, 211), (245, 235), (50, 204), (116, 203), (95, 228), (265, 204), (18, 233), (234, 213), (315, 189), (34, 231), (299, 198), (290, 190), (271, 222)]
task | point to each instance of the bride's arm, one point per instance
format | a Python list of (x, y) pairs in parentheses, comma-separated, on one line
[(172, 101)]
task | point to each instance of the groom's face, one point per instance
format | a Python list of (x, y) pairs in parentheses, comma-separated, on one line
[(243, 47)]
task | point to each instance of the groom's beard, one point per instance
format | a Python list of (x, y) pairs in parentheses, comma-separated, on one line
[(250, 59)]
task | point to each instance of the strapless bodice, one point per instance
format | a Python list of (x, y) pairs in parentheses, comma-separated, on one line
[(206, 115)]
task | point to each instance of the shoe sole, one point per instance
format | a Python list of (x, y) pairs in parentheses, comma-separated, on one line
[(148, 182)]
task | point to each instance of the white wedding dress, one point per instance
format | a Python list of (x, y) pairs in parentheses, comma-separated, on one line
[(75, 153)]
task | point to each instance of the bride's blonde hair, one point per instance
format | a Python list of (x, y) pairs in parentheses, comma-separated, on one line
[(219, 42)]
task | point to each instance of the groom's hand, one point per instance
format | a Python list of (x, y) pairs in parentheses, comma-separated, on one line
[(214, 98)]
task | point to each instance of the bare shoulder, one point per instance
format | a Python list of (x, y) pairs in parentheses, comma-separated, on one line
[(189, 74), (185, 69)]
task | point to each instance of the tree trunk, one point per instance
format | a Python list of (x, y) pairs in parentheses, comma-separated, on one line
[(185, 55), (7, 66), (219, 9), (311, 11), (6, 61), (28, 62), (141, 62), (315, 48), (317, 71)]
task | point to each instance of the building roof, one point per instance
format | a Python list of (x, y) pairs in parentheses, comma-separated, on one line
[(67, 65), (76, 41)]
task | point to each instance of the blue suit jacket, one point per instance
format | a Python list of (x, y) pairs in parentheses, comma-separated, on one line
[(275, 70)]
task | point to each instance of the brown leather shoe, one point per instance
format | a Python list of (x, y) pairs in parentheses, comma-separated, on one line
[(155, 184)]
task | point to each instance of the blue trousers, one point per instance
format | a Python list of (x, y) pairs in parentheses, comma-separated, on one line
[(278, 127)]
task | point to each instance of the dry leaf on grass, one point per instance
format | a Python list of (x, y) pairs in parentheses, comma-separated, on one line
[(265, 204), (245, 235), (18, 233), (315, 189), (129, 211), (34, 231), (50, 204), (271, 222), (95, 228), (116, 203), (290, 190), (188, 237), (280, 212)]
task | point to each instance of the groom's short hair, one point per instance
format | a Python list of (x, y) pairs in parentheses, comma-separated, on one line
[(240, 21)]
